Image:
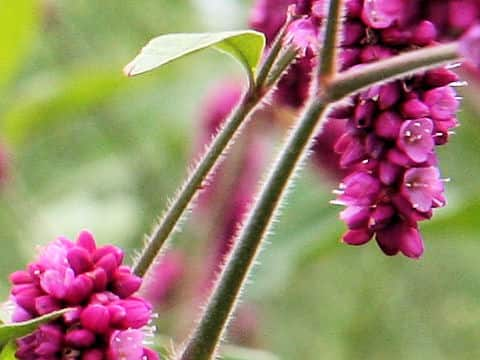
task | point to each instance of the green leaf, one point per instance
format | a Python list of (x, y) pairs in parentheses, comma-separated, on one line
[(13, 331), (8, 351), (18, 23), (245, 46)]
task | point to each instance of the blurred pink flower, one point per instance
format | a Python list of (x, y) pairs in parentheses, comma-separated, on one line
[(164, 278)]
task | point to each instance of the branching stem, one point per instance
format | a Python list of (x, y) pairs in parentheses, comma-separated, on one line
[(211, 159), (205, 338), (331, 43)]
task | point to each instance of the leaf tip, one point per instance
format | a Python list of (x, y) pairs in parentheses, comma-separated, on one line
[(129, 69)]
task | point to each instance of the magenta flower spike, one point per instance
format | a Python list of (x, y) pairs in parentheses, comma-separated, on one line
[(387, 148), (92, 281)]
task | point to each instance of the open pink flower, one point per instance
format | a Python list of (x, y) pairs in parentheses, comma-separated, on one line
[(416, 139), (423, 188), (380, 14)]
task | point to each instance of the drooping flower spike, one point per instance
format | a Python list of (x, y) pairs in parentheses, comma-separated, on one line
[(388, 146), (107, 317)]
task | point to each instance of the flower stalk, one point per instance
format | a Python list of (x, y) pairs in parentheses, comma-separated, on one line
[(213, 155), (328, 65), (265, 73), (365, 76)]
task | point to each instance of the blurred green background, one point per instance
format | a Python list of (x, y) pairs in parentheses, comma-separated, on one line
[(92, 149)]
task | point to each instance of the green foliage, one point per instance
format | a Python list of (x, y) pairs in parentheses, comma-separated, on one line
[(14, 331), (18, 21), (66, 99), (8, 351), (245, 46)]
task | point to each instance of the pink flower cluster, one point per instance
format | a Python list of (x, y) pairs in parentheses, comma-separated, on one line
[(388, 146), (106, 319)]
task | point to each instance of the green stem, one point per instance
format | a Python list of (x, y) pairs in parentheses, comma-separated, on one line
[(365, 76), (287, 56), (196, 180), (205, 338), (331, 42), (273, 53)]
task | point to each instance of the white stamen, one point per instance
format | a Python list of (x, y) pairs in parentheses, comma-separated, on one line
[(438, 202), (453, 66)]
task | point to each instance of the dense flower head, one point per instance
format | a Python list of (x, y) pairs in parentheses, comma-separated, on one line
[(107, 317), (323, 155), (452, 17), (391, 130)]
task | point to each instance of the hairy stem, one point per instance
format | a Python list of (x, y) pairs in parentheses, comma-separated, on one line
[(365, 76), (194, 183), (331, 42), (273, 53), (287, 56), (210, 159), (204, 340)]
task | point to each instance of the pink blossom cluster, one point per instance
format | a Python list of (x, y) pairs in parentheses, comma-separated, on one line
[(106, 320), (452, 18), (392, 130)]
